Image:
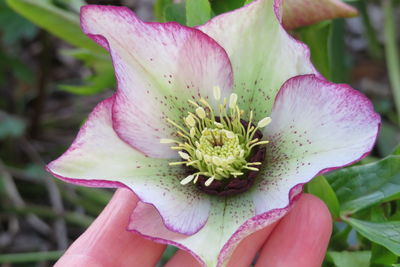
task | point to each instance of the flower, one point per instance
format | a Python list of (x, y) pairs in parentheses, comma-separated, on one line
[(297, 13), (238, 80)]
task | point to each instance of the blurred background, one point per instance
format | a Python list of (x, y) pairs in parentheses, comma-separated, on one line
[(51, 76)]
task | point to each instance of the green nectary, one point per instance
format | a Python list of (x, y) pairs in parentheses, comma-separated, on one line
[(217, 145)]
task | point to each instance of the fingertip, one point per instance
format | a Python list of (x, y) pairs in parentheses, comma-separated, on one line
[(301, 237), (182, 258), (107, 242), (317, 208)]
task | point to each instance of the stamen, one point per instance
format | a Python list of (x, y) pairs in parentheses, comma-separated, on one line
[(218, 148), (219, 125), (193, 103), (201, 112), (184, 155), (187, 180), (232, 100), (190, 121), (192, 132), (177, 163), (217, 92), (251, 168), (199, 155), (168, 141), (209, 181), (264, 122)]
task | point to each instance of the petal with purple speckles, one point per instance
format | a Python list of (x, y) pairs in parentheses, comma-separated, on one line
[(159, 66), (297, 13), (99, 158), (316, 126), (262, 53), (230, 221)]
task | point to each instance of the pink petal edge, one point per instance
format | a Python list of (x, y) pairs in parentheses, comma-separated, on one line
[(104, 183), (163, 151), (262, 220), (278, 6), (114, 184)]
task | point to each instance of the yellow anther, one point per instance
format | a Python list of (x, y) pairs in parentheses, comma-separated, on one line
[(217, 161), (217, 92), (168, 141), (204, 102), (209, 181), (229, 134), (233, 100), (219, 125), (199, 155), (184, 155), (190, 121), (187, 180), (251, 168), (193, 103), (201, 112), (264, 122), (192, 132), (262, 142), (177, 163), (254, 163), (196, 178)]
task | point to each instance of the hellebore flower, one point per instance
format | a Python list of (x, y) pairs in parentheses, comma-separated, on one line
[(297, 13), (214, 128)]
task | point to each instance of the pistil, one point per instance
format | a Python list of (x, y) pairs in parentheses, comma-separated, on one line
[(219, 148)]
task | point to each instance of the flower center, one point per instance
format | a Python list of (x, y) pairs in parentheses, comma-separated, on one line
[(221, 149)]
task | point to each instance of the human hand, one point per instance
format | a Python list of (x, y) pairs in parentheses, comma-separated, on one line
[(299, 239)]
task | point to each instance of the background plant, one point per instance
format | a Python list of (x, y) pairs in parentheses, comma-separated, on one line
[(52, 75)]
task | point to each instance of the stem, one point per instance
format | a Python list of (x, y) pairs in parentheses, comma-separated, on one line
[(45, 212), (30, 256), (392, 54), (374, 48), (43, 77)]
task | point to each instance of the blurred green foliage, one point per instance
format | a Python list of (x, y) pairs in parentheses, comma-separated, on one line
[(363, 199)]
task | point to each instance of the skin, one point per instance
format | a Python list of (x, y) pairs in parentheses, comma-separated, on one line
[(299, 239)]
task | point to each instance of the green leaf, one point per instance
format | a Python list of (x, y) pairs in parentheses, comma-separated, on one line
[(57, 21), (350, 259), (176, 12), (322, 189), (388, 138), (41, 256), (222, 6), (374, 47), (386, 234), (14, 27), (11, 126), (362, 186), (381, 255), (159, 9), (103, 77), (316, 37), (197, 12), (396, 150), (338, 56), (94, 84)]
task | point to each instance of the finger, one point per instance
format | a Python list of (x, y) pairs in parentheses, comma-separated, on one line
[(242, 256), (107, 243), (182, 258), (301, 237)]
